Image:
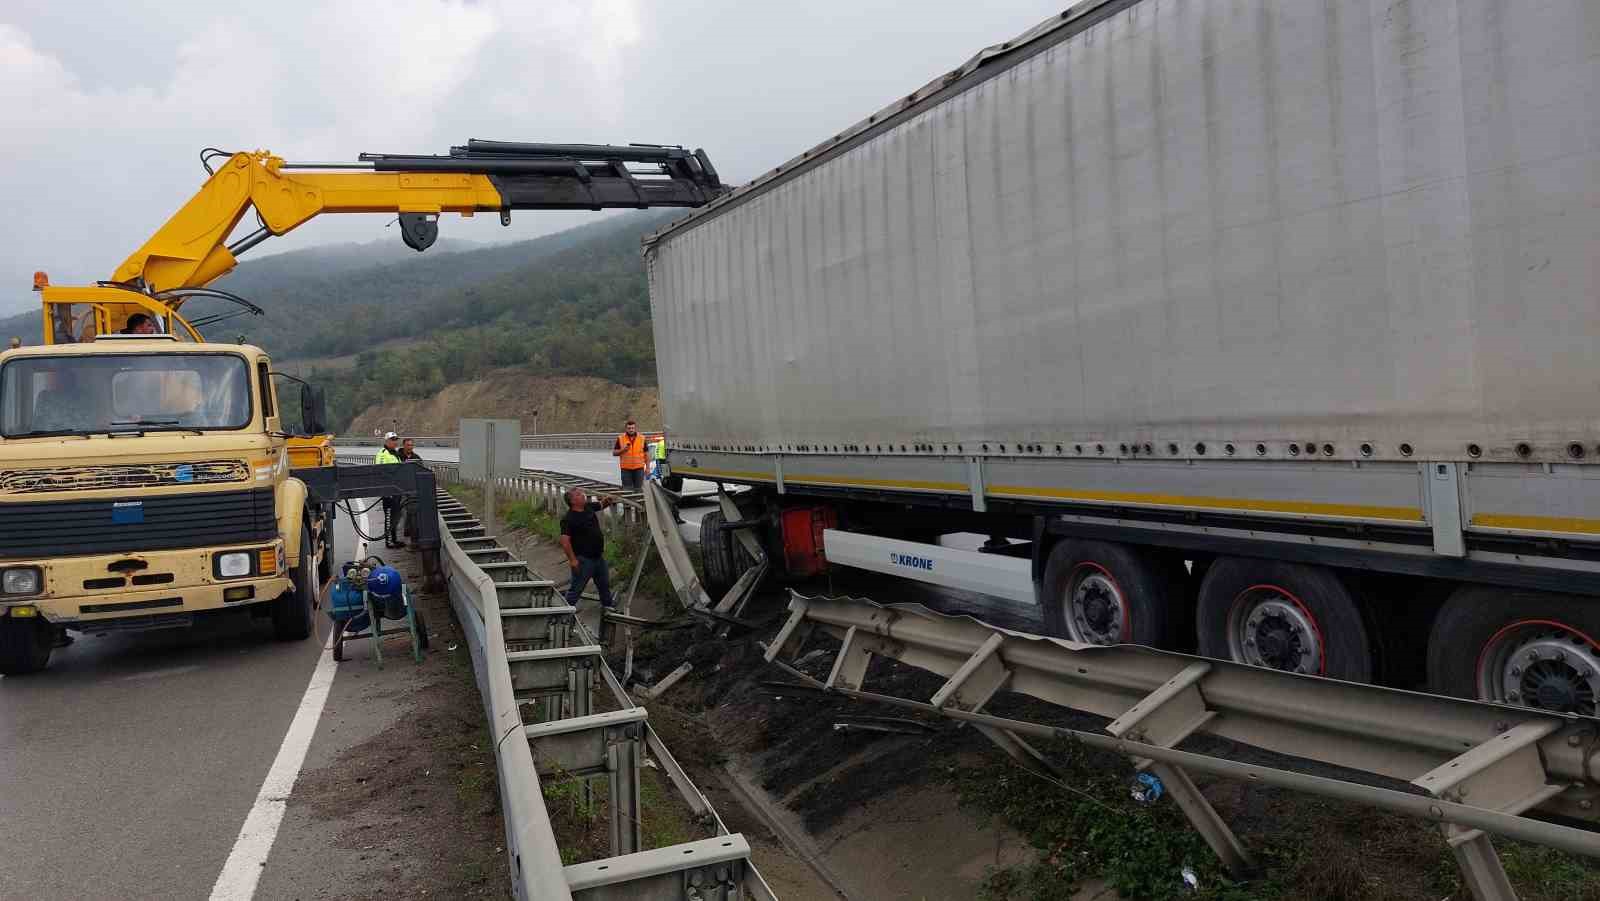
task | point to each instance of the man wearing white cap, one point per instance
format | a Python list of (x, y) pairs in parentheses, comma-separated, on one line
[(391, 505), (387, 454)]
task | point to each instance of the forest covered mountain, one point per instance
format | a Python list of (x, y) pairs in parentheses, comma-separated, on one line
[(572, 303)]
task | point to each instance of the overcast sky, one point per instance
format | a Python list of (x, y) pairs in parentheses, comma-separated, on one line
[(106, 106)]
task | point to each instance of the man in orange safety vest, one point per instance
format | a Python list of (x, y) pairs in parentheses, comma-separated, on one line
[(630, 453)]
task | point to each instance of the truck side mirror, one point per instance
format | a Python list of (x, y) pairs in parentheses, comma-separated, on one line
[(313, 410)]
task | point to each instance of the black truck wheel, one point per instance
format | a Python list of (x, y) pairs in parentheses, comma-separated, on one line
[(1517, 647), (1286, 616), (716, 556), (293, 611), (325, 568), (25, 644), (1100, 592)]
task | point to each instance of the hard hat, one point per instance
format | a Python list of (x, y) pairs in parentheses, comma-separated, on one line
[(387, 436)]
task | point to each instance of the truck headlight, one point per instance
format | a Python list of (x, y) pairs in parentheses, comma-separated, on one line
[(21, 580), (234, 564)]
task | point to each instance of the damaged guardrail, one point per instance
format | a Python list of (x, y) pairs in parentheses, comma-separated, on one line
[(1476, 768), (531, 651)]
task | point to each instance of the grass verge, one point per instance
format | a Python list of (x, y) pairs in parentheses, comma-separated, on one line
[(1307, 848)]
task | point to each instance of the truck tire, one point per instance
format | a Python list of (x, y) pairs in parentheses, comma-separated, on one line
[(1099, 592), (293, 611), (325, 568), (1286, 616), (25, 645), (716, 556), (1517, 647)]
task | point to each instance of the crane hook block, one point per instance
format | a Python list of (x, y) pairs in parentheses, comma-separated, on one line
[(419, 230)]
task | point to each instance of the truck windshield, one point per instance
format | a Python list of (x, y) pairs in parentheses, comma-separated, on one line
[(112, 393)]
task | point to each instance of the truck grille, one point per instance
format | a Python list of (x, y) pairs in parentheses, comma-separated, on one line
[(147, 475), (69, 528)]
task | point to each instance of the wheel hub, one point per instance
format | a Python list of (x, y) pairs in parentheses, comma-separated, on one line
[(1544, 666), (1095, 610), (1271, 630)]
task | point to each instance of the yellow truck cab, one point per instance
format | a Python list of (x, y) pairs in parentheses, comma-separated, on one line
[(145, 475), (144, 481)]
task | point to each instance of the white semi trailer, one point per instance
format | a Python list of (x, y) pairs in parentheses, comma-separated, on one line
[(1271, 326)]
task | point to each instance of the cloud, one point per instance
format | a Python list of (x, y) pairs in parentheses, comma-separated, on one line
[(103, 125)]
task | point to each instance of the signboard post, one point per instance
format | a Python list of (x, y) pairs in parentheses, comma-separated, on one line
[(490, 449)]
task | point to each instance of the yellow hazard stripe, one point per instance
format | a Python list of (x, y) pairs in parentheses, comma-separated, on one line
[(1310, 508), (1537, 523), (802, 479), (877, 483)]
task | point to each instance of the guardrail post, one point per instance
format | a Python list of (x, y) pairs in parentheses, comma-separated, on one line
[(1482, 871), (623, 761)]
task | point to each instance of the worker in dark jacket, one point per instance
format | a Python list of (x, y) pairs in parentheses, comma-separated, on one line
[(585, 546)]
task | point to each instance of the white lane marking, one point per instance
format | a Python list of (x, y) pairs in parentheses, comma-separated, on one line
[(241, 872), (159, 673)]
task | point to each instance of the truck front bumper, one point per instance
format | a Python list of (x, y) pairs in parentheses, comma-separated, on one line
[(82, 592)]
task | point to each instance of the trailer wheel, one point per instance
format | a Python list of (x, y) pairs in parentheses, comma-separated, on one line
[(1517, 647), (292, 612), (1285, 616), (716, 556), (25, 645), (1103, 593)]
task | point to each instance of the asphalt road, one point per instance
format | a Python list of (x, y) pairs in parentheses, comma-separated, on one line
[(129, 765), (590, 464)]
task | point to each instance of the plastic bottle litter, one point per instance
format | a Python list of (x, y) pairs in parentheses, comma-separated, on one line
[(1147, 788)]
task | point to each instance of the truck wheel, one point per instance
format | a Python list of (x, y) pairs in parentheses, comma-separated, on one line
[(292, 612), (716, 556), (25, 645), (325, 568), (1285, 616), (1517, 647), (1098, 592)]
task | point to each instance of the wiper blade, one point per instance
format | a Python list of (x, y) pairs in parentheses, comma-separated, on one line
[(175, 428), (141, 423)]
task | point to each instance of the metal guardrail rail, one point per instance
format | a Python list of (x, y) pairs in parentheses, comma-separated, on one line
[(1474, 768), (531, 652), (545, 441)]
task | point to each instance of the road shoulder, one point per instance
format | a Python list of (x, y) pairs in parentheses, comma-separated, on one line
[(398, 798)]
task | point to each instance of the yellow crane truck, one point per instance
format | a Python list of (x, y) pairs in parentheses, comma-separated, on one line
[(146, 473)]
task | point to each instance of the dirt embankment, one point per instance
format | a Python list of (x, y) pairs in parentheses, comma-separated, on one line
[(563, 404)]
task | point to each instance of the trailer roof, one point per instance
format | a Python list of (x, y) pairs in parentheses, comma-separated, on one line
[(985, 64)]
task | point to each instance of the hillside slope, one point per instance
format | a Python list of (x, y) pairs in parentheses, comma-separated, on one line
[(564, 404), (582, 310)]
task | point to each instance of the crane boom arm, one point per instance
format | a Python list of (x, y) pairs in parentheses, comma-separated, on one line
[(189, 250)]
